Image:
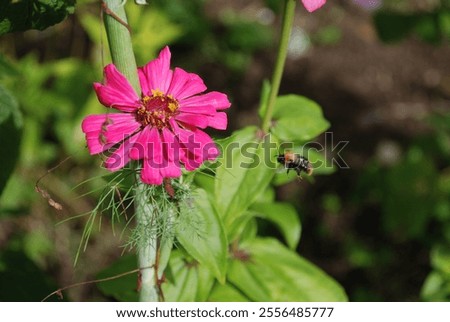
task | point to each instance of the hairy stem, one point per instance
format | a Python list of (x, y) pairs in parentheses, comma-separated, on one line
[(147, 250), (119, 39), (288, 20)]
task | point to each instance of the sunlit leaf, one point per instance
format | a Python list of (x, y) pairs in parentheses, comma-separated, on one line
[(226, 293), (204, 181), (183, 288), (246, 276), (205, 283), (297, 119), (247, 167), (271, 272), (284, 216), (203, 235)]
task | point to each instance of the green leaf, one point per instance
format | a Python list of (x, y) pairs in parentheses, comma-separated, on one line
[(284, 216), (239, 226), (246, 169), (297, 119), (124, 287), (271, 272), (226, 293), (185, 281), (33, 14), (205, 283), (245, 275), (250, 229), (10, 132), (189, 281), (203, 235), (204, 181)]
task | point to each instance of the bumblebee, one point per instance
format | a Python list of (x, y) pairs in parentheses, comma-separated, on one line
[(294, 161)]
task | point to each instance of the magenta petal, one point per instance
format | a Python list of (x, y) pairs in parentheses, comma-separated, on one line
[(150, 175), (117, 132), (120, 157), (205, 110), (153, 161), (115, 127), (217, 100), (95, 143), (218, 121), (171, 152), (312, 5), (198, 120), (188, 144), (156, 74), (146, 90), (139, 149), (209, 148), (199, 145), (185, 84), (96, 128), (154, 147), (117, 91)]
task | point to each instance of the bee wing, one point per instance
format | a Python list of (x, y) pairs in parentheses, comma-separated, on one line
[(282, 169)]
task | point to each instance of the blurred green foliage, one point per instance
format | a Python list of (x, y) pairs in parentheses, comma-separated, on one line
[(430, 25), (412, 196)]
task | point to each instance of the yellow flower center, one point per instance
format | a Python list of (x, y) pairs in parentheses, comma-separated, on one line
[(157, 110)]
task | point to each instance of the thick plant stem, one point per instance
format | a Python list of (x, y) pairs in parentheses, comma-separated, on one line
[(148, 250), (288, 20), (119, 39)]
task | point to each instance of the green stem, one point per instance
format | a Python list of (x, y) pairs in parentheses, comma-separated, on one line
[(119, 39), (288, 20), (121, 48), (147, 250)]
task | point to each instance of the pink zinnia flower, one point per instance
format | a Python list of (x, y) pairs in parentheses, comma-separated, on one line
[(162, 126), (312, 5)]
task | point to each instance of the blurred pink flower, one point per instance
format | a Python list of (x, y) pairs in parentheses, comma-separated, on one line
[(162, 126), (312, 5)]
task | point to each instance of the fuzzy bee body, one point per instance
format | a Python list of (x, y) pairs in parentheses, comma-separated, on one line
[(296, 162)]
